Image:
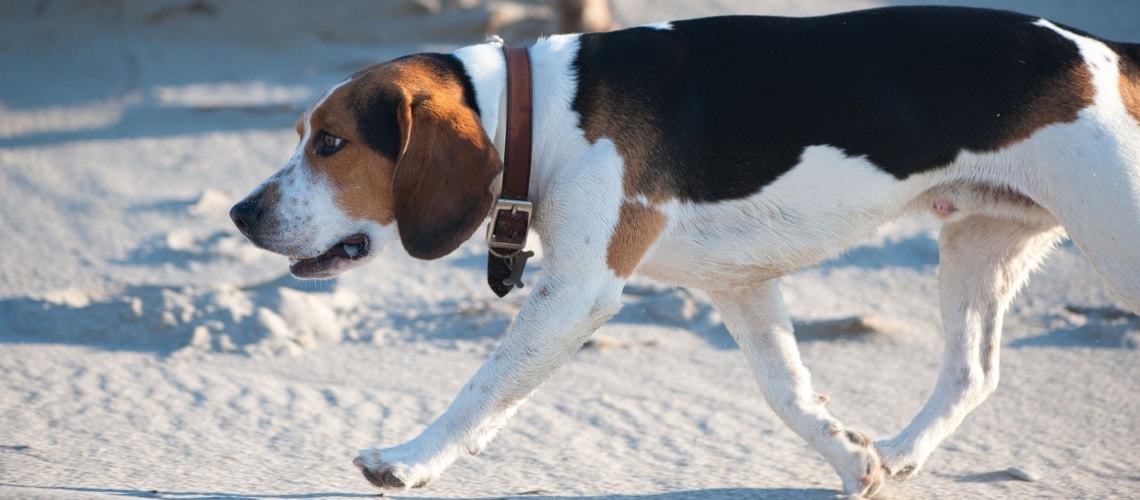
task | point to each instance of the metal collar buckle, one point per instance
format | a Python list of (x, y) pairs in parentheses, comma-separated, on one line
[(510, 220)]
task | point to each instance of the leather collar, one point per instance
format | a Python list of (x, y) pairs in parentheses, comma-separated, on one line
[(510, 216)]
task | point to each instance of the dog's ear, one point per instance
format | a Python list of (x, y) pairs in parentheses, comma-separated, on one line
[(442, 183)]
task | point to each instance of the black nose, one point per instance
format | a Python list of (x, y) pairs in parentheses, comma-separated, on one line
[(245, 214)]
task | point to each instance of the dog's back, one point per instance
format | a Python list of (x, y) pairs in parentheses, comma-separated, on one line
[(729, 104)]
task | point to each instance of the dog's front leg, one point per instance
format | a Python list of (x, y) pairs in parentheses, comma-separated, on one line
[(557, 318)]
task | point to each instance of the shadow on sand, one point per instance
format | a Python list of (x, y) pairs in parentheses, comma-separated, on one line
[(708, 494)]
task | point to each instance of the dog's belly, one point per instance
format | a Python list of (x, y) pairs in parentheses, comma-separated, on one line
[(704, 253), (826, 204)]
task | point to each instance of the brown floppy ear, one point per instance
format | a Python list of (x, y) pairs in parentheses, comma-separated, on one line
[(441, 190)]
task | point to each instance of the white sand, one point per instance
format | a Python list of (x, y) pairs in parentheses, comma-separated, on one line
[(147, 350)]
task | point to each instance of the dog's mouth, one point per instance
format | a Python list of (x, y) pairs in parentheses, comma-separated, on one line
[(334, 261)]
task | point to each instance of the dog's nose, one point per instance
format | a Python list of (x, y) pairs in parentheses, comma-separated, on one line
[(245, 214)]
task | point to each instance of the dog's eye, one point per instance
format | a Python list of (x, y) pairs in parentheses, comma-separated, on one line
[(327, 144)]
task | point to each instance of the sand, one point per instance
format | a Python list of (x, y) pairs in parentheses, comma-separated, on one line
[(147, 350)]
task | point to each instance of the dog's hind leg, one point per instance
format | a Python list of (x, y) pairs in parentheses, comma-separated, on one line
[(759, 322), (1088, 171), (984, 262), (1098, 203)]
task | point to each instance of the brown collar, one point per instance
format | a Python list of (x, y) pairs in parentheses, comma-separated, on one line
[(510, 217)]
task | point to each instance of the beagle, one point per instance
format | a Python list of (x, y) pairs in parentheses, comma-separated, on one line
[(721, 154)]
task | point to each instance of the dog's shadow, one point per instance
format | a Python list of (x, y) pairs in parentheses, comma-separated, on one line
[(286, 314), (681, 308), (488, 320), (269, 316), (707, 494), (1096, 327)]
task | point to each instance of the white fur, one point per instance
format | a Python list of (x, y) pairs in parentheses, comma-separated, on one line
[(487, 70), (1083, 176)]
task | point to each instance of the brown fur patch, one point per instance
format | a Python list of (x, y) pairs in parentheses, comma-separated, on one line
[(361, 177), (1059, 103), (442, 184), (439, 186), (636, 138), (637, 228), (1130, 86)]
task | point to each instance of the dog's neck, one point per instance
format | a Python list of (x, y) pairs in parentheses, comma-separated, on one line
[(486, 67)]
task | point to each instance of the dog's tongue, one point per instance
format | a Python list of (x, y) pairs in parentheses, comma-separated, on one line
[(349, 249), (307, 268)]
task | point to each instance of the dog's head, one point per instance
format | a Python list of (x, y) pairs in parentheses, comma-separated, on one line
[(395, 150)]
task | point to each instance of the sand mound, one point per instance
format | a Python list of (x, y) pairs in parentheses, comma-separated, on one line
[(268, 319)]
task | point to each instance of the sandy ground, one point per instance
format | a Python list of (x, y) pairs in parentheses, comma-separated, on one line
[(147, 350)]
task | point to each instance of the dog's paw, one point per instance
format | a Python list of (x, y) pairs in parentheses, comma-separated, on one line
[(384, 469), (861, 468), (898, 463)]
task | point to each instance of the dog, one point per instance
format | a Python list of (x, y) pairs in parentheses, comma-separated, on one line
[(721, 154)]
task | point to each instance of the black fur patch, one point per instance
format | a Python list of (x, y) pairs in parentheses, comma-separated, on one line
[(717, 108)]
